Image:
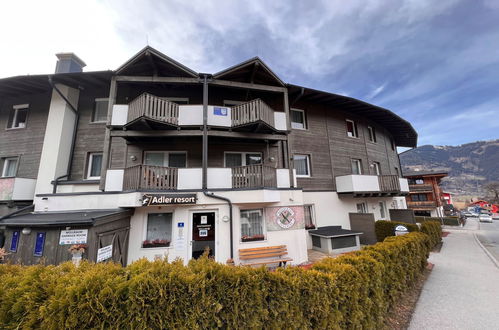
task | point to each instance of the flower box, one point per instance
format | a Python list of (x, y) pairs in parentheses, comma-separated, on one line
[(156, 243), (253, 238)]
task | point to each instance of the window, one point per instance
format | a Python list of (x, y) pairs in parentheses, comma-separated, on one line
[(94, 165), (252, 225), (382, 210), (166, 158), (302, 165), (419, 198), (18, 116), (9, 167), (352, 129), (234, 159), (361, 208), (372, 133), (298, 119), (100, 111), (376, 168), (415, 181), (356, 166), (159, 230), (392, 142), (309, 216), (178, 100)]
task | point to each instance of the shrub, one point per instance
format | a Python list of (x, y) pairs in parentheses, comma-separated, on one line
[(384, 228), (352, 291), (448, 221), (434, 230)]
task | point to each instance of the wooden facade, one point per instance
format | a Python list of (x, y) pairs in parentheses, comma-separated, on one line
[(425, 193)]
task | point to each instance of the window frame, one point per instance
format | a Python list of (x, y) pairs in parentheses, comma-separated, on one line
[(90, 156), (312, 215), (364, 207), (243, 157), (16, 109), (304, 117), (264, 225), (309, 167), (92, 118), (355, 128), (359, 161), (372, 134), (146, 222), (382, 210), (5, 160), (377, 168), (166, 157)]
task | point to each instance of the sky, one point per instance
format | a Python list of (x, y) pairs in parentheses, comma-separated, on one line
[(434, 63)]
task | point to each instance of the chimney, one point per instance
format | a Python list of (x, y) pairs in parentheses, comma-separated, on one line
[(68, 62)]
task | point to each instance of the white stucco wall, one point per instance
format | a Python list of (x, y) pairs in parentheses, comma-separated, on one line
[(352, 183)]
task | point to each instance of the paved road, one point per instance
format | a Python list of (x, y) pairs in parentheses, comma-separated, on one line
[(461, 291), (488, 234)]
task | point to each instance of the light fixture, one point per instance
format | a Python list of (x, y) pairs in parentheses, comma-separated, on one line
[(225, 218), (26, 231), (133, 157)]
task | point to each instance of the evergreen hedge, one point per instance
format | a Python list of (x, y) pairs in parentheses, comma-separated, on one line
[(434, 230), (384, 229), (351, 291)]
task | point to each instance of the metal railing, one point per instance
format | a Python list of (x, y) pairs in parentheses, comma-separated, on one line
[(149, 177), (150, 106), (253, 111), (253, 176)]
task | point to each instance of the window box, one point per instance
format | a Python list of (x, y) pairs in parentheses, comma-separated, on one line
[(156, 243), (252, 238)]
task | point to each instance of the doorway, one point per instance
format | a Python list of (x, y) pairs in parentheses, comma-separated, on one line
[(203, 234)]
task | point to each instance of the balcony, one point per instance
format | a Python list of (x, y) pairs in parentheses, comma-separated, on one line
[(17, 189), (151, 178), (149, 112), (371, 185), (427, 187), (421, 204)]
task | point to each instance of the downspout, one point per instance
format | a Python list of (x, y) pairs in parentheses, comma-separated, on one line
[(212, 195), (73, 140)]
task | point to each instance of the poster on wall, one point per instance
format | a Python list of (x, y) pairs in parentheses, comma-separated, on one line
[(15, 241), (105, 253), (39, 245), (73, 236), (285, 218)]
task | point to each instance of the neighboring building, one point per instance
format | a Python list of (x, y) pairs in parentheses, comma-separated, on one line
[(493, 208), (425, 195), (150, 157), (447, 198)]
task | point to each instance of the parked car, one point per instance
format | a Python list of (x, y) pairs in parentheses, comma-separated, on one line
[(467, 214), (495, 216), (484, 217)]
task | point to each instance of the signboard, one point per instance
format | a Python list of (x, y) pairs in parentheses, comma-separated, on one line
[(39, 245), (74, 236), (162, 199), (285, 218), (15, 241), (105, 253), (401, 230), (220, 111)]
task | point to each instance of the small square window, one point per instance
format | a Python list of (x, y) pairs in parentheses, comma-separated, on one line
[(18, 116), (100, 111), (372, 134), (352, 129), (94, 165), (298, 119), (376, 168), (302, 165), (361, 208), (356, 166), (9, 167), (159, 230), (252, 225)]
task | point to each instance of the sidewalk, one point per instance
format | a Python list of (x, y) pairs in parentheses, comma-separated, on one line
[(462, 291)]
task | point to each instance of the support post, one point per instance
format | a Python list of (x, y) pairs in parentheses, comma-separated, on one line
[(205, 133), (288, 146), (106, 153)]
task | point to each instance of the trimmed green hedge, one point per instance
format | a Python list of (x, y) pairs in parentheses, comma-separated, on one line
[(385, 228), (351, 291), (434, 230), (448, 221)]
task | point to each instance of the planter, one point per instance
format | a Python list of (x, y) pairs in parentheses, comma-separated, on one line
[(155, 244), (253, 238)]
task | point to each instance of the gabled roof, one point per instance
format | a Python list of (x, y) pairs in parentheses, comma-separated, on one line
[(253, 70), (151, 62)]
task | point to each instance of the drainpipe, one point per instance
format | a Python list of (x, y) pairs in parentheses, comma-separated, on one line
[(212, 195), (73, 140), (205, 132)]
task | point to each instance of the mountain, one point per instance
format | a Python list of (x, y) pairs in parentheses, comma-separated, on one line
[(470, 166)]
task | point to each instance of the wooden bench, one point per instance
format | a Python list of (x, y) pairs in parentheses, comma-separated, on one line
[(264, 256)]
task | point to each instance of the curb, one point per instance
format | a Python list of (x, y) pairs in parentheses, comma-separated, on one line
[(491, 257)]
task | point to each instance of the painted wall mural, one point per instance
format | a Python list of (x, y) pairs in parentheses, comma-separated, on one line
[(6, 188), (285, 218)]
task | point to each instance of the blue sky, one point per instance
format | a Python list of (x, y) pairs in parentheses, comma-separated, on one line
[(435, 63)]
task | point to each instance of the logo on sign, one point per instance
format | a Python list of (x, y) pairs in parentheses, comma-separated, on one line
[(285, 217), (220, 111), (158, 199)]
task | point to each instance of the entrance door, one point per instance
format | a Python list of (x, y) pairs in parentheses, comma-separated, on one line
[(203, 234)]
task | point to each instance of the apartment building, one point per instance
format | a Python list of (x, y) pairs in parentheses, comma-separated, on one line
[(155, 160), (426, 197)]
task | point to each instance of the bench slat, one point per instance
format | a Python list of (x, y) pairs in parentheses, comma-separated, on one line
[(263, 251), (266, 262), (263, 255), (264, 248)]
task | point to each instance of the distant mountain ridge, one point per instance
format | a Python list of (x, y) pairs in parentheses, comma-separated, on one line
[(470, 166)]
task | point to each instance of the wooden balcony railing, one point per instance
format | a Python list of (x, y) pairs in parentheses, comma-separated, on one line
[(149, 177), (150, 106), (421, 204), (421, 187), (251, 112), (389, 183), (254, 176)]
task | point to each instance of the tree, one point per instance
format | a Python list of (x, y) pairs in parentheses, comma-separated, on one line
[(493, 189)]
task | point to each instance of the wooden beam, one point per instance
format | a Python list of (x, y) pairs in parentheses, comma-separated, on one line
[(173, 133), (149, 79), (237, 84)]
